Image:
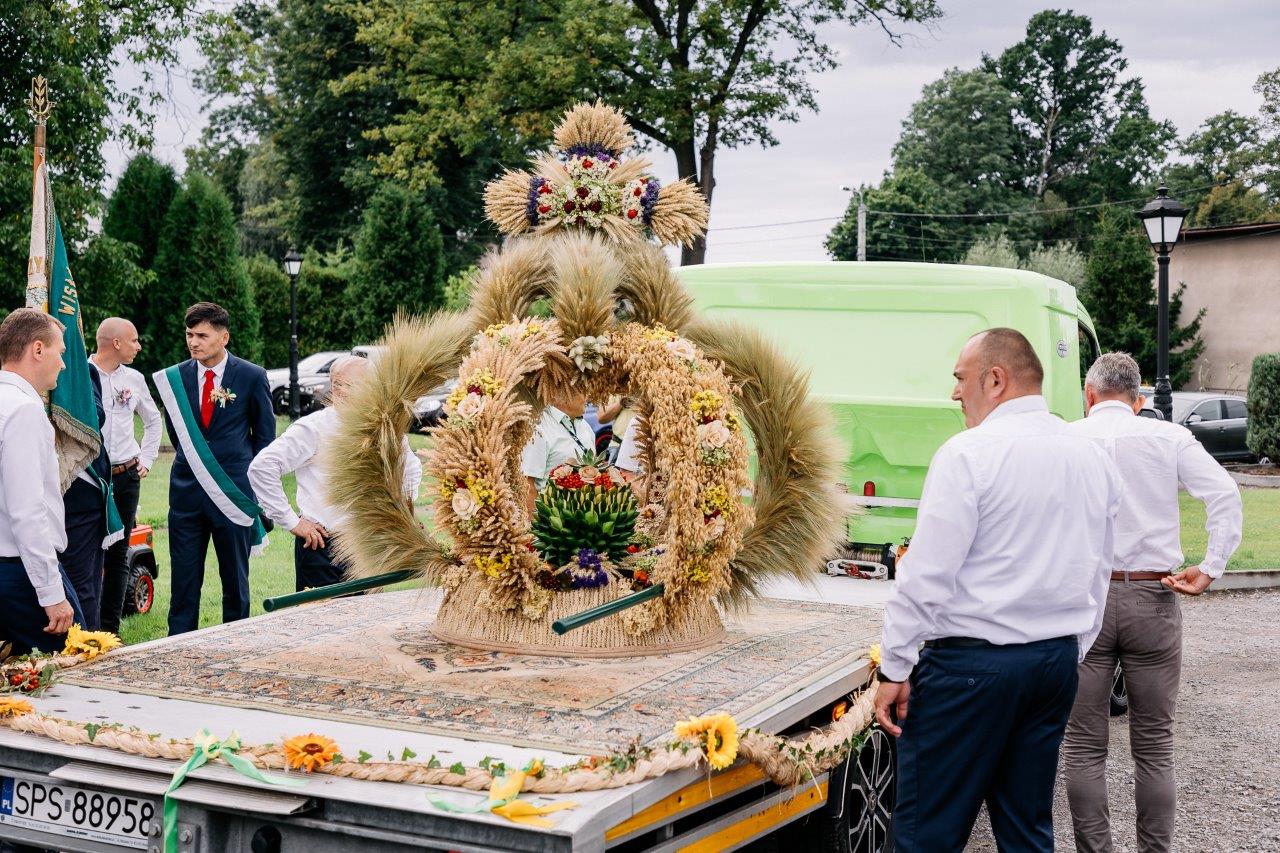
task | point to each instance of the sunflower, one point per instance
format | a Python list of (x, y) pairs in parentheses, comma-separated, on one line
[(89, 643), (12, 707), (719, 736), (309, 752)]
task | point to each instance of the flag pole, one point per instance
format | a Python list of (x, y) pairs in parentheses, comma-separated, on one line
[(39, 108)]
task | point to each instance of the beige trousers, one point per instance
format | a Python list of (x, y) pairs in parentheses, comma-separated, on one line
[(1142, 629)]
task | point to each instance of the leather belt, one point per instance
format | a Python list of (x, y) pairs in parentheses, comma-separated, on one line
[(958, 643), (124, 466), (1139, 576)]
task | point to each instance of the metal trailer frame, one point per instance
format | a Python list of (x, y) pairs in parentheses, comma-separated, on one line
[(222, 811)]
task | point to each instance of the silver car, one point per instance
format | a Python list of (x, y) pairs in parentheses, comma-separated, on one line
[(428, 410), (314, 366)]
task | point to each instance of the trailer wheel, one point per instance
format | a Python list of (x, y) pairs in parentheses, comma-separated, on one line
[(861, 800)]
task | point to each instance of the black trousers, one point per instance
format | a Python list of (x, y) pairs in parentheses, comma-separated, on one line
[(115, 569), (189, 534), (983, 724), (22, 619), (315, 568), (82, 559)]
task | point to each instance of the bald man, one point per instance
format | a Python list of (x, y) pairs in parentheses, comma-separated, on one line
[(298, 450), (124, 396), (1005, 585)]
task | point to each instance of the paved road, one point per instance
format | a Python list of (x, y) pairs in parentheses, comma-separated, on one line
[(1227, 735)]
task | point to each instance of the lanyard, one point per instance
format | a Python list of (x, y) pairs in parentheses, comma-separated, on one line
[(567, 423)]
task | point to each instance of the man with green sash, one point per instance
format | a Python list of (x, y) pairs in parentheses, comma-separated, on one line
[(219, 416)]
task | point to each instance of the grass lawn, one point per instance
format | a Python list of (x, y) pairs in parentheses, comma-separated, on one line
[(272, 573)]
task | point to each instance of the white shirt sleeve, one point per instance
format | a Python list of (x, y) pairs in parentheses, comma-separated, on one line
[(533, 460), (412, 472), (287, 453), (1102, 575), (22, 476), (1210, 483), (628, 450), (152, 424), (946, 526)]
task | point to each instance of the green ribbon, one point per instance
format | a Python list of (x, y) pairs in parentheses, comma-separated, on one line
[(207, 748)]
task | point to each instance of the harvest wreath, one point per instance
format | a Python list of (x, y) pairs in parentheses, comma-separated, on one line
[(689, 535)]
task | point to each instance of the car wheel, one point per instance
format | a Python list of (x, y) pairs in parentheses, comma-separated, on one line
[(140, 593), (860, 798), (1119, 694)]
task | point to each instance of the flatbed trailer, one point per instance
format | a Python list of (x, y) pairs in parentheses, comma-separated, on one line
[(83, 798)]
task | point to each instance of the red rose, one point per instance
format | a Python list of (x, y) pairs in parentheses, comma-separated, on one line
[(543, 208), (475, 389), (579, 221), (587, 164), (595, 206), (637, 192), (613, 165), (544, 189), (633, 549), (583, 192), (569, 206), (631, 214)]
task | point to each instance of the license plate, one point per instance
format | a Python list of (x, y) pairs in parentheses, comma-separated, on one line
[(77, 813)]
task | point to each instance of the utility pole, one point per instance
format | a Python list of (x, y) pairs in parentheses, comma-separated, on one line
[(862, 222)]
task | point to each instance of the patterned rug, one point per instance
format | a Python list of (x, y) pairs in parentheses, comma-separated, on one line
[(372, 659)]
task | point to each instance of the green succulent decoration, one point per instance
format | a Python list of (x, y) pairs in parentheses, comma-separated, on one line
[(589, 516)]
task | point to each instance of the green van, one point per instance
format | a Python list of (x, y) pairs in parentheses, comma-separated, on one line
[(881, 340)]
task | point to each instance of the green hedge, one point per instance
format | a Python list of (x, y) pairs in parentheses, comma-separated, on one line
[(1264, 407)]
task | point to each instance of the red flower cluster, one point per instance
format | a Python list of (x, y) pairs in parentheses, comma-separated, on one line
[(602, 480), (571, 481)]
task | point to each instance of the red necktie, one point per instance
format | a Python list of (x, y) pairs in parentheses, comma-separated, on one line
[(206, 400)]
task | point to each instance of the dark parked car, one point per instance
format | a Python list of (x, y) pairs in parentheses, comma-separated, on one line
[(1219, 421)]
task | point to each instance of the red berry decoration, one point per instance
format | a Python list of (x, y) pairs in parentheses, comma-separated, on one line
[(583, 192), (595, 206), (633, 549), (569, 206), (631, 214)]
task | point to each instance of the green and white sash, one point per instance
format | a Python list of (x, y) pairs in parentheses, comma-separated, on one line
[(221, 489)]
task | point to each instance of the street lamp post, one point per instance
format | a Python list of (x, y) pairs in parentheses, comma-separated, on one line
[(1162, 218), (293, 266)]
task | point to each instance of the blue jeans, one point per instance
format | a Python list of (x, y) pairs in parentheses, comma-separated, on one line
[(22, 619), (983, 724)]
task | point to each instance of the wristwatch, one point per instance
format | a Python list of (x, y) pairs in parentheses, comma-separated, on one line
[(884, 679)]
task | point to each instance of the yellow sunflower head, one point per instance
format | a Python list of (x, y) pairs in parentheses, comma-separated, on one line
[(722, 741), (90, 644), (309, 752), (11, 706)]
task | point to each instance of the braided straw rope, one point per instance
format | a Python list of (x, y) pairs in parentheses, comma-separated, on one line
[(774, 755)]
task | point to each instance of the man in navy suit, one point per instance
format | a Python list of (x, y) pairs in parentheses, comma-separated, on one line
[(219, 416)]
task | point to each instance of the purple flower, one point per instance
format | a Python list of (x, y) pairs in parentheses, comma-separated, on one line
[(591, 149), (531, 207), (589, 571), (649, 200)]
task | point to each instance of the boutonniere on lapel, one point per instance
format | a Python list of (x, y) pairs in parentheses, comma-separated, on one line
[(222, 397), (123, 396)]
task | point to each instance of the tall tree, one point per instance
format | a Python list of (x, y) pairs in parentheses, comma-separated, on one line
[(1080, 120), (1120, 297), (1227, 147), (905, 232), (399, 261), (199, 261), (135, 215), (79, 45), (693, 76)]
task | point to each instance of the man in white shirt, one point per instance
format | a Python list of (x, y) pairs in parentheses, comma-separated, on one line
[(560, 435), (1142, 628), (1004, 584), (37, 603), (124, 396), (298, 450)]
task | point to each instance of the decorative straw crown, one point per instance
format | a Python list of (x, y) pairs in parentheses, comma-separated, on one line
[(588, 185)]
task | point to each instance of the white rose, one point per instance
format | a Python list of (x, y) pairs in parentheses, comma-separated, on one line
[(464, 504), (588, 473), (561, 471), (682, 349), (715, 527), (470, 406), (714, 435), (616, 476)]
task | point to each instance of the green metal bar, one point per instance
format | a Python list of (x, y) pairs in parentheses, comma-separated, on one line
[(333, 590), (577, 620)]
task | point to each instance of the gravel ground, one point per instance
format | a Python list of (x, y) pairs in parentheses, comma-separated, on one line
[(1227, 735)]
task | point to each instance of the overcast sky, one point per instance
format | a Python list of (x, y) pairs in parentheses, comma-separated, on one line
[(1195, 58)]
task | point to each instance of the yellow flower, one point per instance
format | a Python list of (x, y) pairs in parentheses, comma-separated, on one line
[(731, 421), (874, 654), (480, 489), (530, 330), (535, 768), (659, 333), (309, 752), (706, 404), (13, 707), (493, 566), (716, 499), (89, 643), (719, 736)]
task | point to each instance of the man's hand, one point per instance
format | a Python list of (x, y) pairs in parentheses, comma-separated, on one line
[(60, 616), (1191, 581), (311, 534), (142, 472), (892, 694)]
